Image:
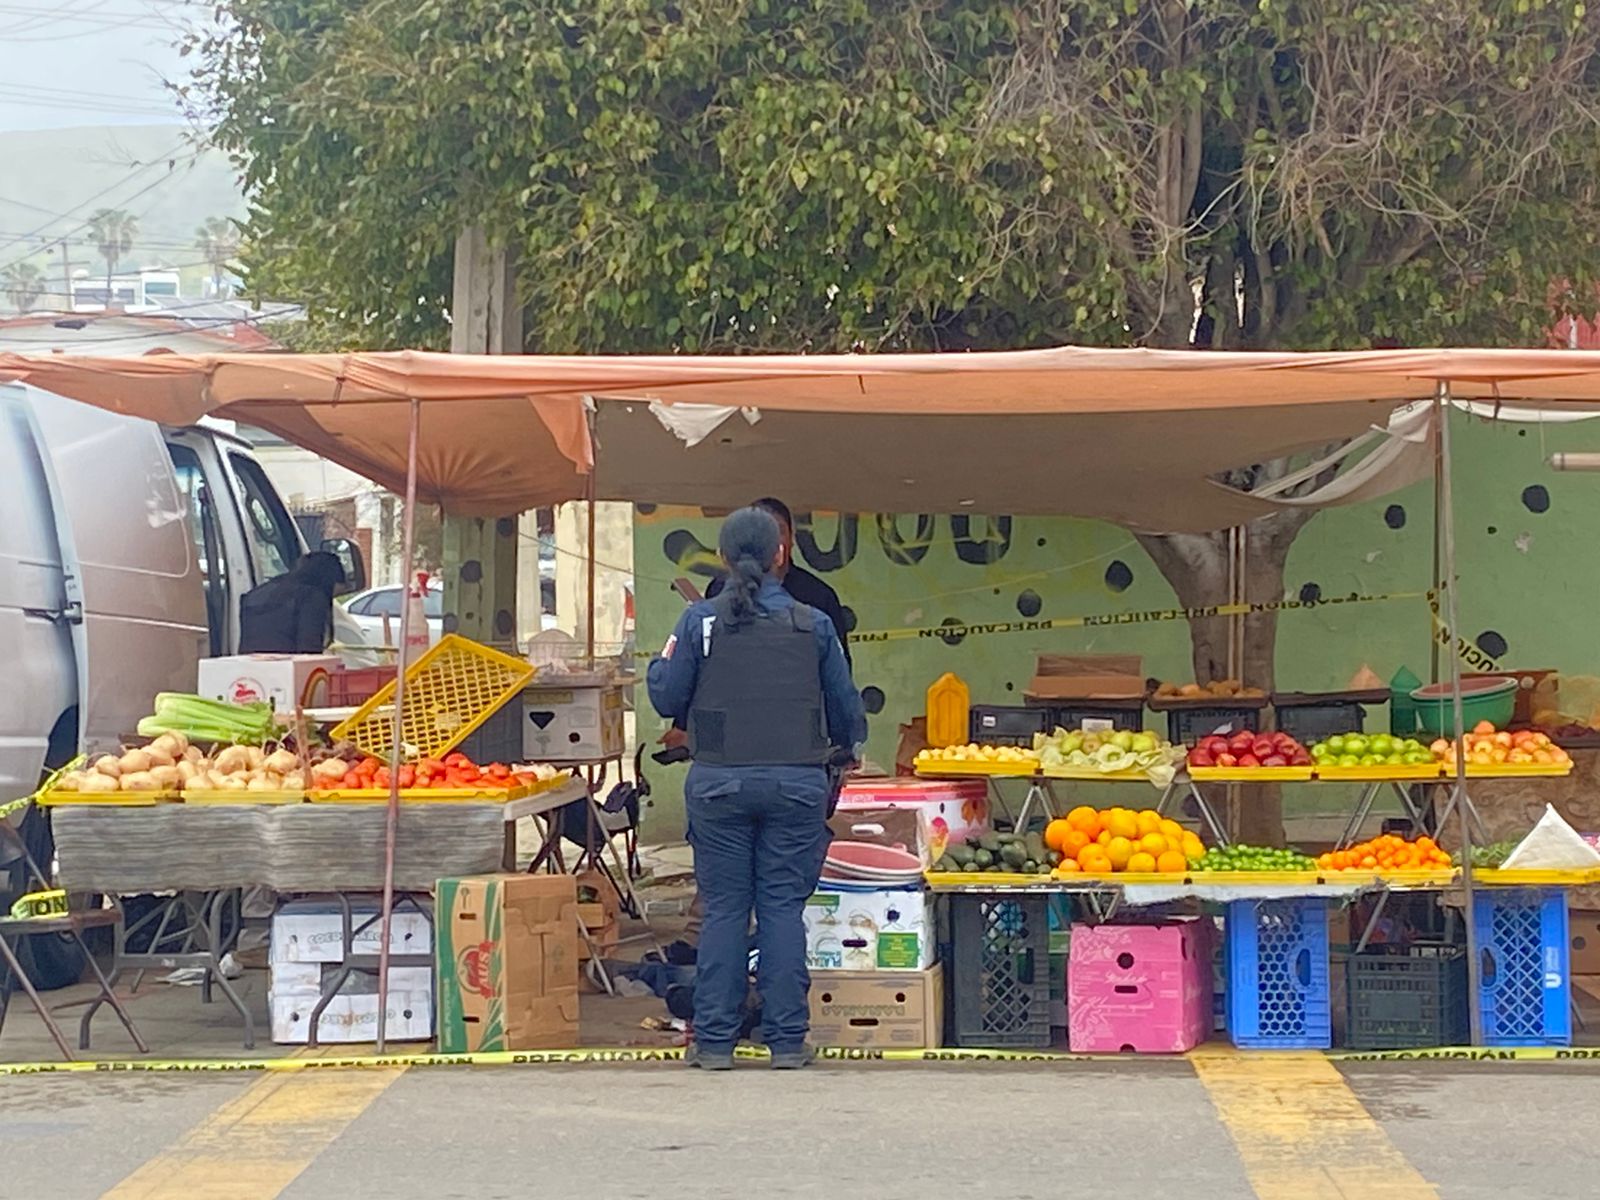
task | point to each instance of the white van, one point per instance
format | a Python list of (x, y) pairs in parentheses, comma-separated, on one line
[(124, 550)]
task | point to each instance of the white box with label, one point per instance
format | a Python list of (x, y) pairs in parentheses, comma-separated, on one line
[(350, 1018), (307, 979), (561, 724), (311, 931), (282, 680), (869, 931)]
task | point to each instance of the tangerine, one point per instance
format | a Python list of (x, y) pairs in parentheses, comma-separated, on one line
[(1105, 838), (1153, 844), (1142, 863), (1066, 867), (1056, 832), (1171, 829), (1193, 847), (1093, 860), (1119, 850), (1172, 863), (1149, 821), (1085, 819), (1122, 823), (1075, 840)]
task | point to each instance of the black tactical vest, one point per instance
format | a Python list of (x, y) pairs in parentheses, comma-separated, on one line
[(758, 700)]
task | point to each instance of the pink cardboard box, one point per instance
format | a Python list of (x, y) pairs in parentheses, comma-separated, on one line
[(1144, 988), (951, 810)]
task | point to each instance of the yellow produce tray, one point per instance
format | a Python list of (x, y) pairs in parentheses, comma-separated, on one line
[(1498, 877), (1518, 770), (1399, 773), (1439, 877), (222, 797), (59, 799), (466, 795), (1250, 774), (1090, 775), (997, 879), (1005, 770), (450, 691)]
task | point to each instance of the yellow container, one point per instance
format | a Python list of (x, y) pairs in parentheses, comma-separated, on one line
[(949, 704)]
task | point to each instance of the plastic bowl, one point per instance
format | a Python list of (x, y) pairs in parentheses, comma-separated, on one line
[(1492, 699)]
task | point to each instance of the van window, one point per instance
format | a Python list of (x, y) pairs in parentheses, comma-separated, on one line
[(274, 542), (207, 537)]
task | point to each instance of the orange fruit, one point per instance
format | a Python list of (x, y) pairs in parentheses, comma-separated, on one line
[(1056, 832), (1171, 829), (1074, 841), (1086, 819), (1153, 844), (1119, 850), (1172, 863), (1142, 863), (1105, 838), (1093, 861), (1066, 867), (1193, 847), (1149, 821), (1122, 823)]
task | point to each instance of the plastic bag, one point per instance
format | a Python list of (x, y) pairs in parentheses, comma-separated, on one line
[(1552, 845)]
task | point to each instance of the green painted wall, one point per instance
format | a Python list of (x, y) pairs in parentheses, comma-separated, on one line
[(1526, 536)]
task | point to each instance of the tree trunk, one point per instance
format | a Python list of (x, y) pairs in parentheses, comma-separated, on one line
[(1196, 565)]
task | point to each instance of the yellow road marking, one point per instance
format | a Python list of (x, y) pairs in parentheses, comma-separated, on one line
[(256, 1144), (1300, 1131)]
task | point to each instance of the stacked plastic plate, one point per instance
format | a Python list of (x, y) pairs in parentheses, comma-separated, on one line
[(871, 865)]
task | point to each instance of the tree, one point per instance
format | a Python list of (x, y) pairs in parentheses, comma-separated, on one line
[(24, 284), (112, 230), (217, 239), (914, 174)]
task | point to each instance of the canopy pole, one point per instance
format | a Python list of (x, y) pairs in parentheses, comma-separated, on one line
[(589, 496), (396, 750), (1438, 519), (1446, 523)]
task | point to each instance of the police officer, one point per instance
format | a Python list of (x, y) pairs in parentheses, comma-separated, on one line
[(762, 686)]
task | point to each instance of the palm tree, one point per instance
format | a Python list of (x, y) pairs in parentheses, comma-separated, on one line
[(24, 284), (113, 231), (218, 243)]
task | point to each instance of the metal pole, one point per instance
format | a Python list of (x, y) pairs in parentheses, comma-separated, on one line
[(1438, 599), (1447, 547), (589, 489), (392, 816)]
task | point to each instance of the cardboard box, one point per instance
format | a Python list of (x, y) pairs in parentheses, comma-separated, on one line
[(307, 979), (1584, 926), (508, 962), (311, 931), (954, 809), (600, 914), (1087, 677), (350, 1018), (1141, 988), (571, 723), (282, 680), (869, 931), (905, 829), (881, 1010)]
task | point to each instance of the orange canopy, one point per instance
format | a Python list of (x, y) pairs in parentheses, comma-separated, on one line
[(1133, 436)]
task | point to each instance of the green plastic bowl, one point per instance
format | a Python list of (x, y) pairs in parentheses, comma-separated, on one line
[(1491, 699)]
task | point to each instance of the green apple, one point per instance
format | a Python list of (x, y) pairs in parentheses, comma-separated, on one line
[(1143, 743), (1371, 760), (1122, 739), (1322, 752), (1356, 744), (1335, 744), (1381, 744), (1349, 760)]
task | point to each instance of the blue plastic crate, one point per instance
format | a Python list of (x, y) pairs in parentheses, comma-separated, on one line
[(1279, 997), (1525, 981)]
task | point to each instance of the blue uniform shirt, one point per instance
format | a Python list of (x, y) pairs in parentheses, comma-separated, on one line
[(672, 680)]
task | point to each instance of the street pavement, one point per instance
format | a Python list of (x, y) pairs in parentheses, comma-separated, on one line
[(1217, 1126)]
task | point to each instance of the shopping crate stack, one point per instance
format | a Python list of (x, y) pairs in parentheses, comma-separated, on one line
[(1525, 987), (1278, 983), (1000, 971)]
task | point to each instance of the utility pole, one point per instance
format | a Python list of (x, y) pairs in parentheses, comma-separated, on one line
[(480, 584), (66, 273)]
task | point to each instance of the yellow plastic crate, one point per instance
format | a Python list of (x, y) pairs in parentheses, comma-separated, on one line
[(450, 691)]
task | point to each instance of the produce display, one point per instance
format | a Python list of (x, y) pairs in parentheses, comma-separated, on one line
[(1488, 746), (1247, 750), (170, 763), (453, 771), (1113, 752), (1094, 842), (1221, 689), (1388, 853), (933, 756), (1376, 750), (1240, 857), (1009, 853)]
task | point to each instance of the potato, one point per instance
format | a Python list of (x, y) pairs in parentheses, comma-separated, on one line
[(106, 764)]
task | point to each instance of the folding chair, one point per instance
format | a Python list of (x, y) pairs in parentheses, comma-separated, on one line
[(70, 923)]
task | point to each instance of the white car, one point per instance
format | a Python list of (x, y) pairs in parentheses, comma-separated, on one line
[(377, 611)]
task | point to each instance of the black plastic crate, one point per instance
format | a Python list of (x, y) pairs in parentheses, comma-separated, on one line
[(1407, 997), (1311, 723), (1187, 725), (1123, 714), (499, 739), (1006, 725), (999, 979)]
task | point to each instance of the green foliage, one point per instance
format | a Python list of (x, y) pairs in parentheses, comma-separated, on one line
[(906, 174)]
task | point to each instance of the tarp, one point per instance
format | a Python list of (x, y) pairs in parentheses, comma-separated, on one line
[(1134, 436)]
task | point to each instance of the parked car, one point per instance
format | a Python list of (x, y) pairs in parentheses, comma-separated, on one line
[(377, 612), (125, 549)]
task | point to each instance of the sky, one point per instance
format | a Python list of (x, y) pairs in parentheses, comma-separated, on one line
[(90, 62)]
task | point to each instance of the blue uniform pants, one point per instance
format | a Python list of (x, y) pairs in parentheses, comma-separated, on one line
[(759, 836)]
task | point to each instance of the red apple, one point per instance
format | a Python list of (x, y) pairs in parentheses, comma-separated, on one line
[(1227, 760), (1214, 744), (1249, 760), (1300, 759), (1275, 760), (1263, 747), (1240, 743), (1201, 758)]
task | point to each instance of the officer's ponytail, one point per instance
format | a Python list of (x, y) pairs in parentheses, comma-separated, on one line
[(749, 544)]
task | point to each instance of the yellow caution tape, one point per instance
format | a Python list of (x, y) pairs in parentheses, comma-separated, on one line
[(635, 1056), (52, 903)]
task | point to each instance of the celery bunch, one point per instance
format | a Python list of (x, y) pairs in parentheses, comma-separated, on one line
[(202, 720)]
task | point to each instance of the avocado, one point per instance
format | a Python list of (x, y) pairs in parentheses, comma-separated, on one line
[(1013, 854), (961, 855), (1036, 847), (983, 858), (990, 842), (1030, 867)]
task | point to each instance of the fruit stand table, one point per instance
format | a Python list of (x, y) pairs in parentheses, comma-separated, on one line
[(200, 856)]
